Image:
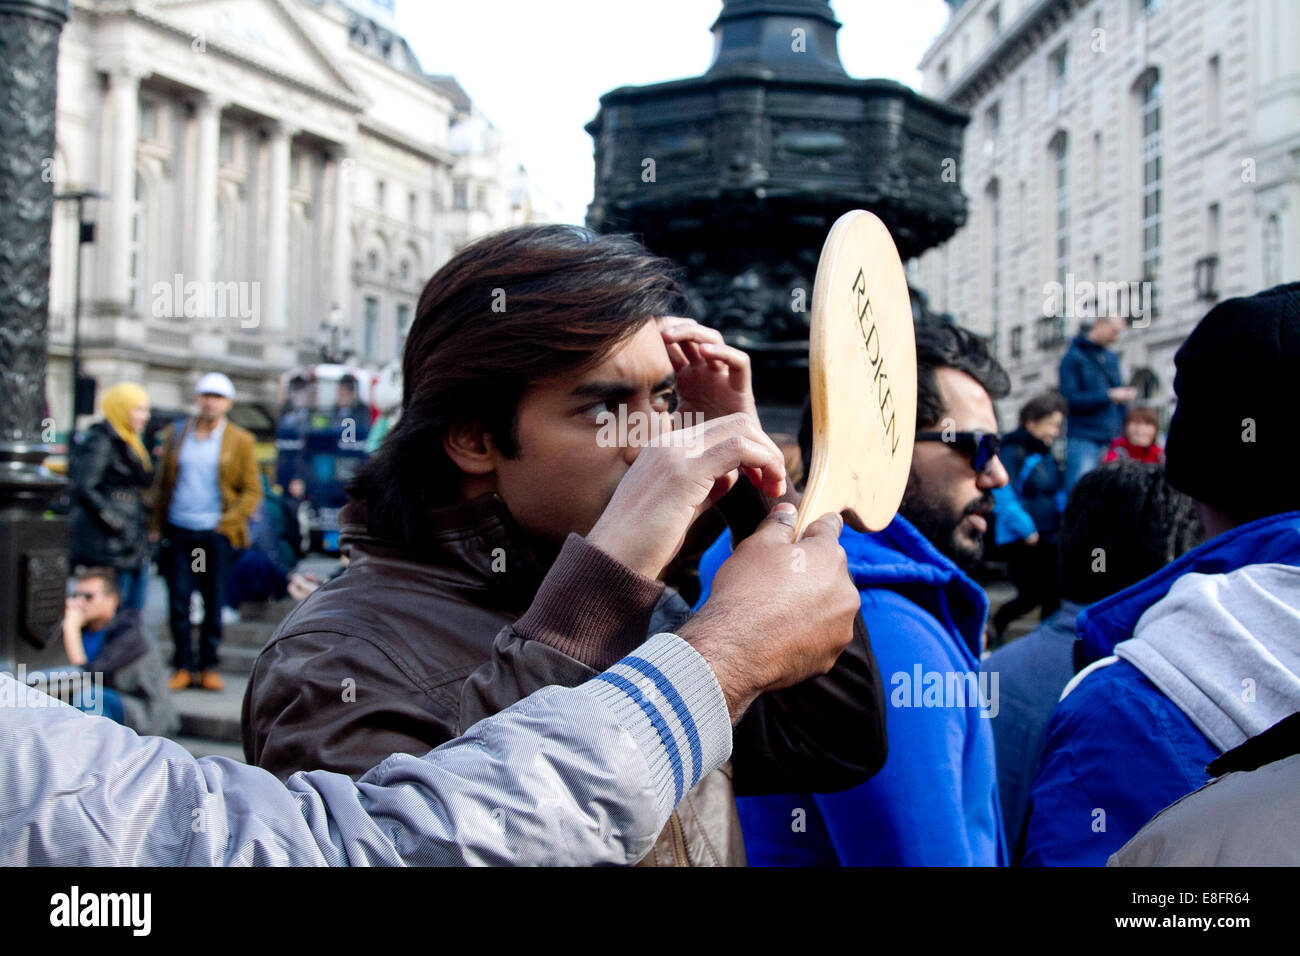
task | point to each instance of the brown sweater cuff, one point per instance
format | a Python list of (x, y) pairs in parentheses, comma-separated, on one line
[(590, 606)]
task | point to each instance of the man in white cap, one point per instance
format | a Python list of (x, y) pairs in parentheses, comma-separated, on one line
[(208, 488)]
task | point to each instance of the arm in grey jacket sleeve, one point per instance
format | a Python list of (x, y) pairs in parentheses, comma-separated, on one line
[(579, 776)]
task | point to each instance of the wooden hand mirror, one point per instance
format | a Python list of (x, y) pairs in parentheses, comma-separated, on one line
[(862, 358)]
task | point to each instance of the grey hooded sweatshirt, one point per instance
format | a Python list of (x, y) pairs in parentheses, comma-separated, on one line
[(1225, 648)]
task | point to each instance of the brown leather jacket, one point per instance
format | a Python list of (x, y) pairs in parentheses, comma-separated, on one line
[(237, 477), (414, 644)]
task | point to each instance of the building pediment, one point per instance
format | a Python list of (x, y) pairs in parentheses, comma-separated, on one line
[(268, 34)]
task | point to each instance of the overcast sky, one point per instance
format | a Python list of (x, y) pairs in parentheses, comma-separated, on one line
[(537, 68)]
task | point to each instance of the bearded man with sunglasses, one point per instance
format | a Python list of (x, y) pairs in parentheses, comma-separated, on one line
[(935, 802)]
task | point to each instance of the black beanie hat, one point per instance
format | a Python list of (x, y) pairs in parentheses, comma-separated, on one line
[(1232, 441)]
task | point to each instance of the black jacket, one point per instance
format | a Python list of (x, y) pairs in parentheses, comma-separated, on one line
[(108, 523), (1039, 487)]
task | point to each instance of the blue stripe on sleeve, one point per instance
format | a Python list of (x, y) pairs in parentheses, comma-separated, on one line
[(683, 712), (657, 721)]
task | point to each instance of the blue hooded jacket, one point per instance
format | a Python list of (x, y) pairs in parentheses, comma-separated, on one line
[(1118, 749), (935, 802)]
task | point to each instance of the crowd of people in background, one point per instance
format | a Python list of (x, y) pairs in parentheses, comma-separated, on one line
[(1166, 581)]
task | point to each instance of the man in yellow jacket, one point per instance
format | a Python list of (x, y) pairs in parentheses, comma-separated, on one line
[(207, 489)]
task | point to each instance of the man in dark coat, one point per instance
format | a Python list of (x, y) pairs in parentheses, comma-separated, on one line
[(1095, 393)]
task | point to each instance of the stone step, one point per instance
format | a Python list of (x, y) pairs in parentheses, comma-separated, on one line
[(237, 660), (212, 716)]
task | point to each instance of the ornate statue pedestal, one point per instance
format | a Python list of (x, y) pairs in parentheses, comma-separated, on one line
[(739, 174)]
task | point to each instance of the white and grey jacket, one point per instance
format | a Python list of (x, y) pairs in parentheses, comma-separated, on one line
[(567, 776)]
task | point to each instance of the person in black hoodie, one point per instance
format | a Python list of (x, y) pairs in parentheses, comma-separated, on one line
[(1036, 478), (110, 469)]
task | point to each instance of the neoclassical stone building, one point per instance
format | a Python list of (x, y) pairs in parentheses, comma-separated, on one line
[(1116, 141), (277, 176)]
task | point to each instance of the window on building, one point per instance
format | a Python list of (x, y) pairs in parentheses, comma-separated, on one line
[(1213, 94), (943, 76), (460, 195), (1020, 96), (1060, 155), (1207, 266), (1272, 250), (371, 331), (1017, 341), (219, 238), (1049, 331), (1149, 94), (480, 197), (403, 321), (1096, 165), (1148, 7), (993, 196), (405, 270), (1058, 68), (372, 261), (994, 20), (412, 207), (226, 145), (381, 189), (139, 232), (149, 119), (993, 121)]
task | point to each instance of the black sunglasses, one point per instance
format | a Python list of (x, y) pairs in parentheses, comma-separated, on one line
[(980, 447)]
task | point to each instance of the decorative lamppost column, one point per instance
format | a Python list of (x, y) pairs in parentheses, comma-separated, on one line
[(33, 548)]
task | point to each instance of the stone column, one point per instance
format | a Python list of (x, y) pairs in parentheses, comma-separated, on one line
[(124, 105), (275, 296), (341, 285), (33, 548), (208, 121)]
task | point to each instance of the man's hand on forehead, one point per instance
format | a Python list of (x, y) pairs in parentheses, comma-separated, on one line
[(713, 378)]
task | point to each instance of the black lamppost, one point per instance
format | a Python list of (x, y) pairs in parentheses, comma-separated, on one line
[(85, 234), (33, 546)]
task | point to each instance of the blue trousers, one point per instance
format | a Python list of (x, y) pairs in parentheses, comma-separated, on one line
[(1082, 455), (133, 587)]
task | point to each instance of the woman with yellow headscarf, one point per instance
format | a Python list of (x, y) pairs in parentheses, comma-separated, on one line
[(110, 469)]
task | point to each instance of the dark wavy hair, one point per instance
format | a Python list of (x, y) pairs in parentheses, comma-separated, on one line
[(514, 307), (941, 344), (1126, 514), (1041, 406)]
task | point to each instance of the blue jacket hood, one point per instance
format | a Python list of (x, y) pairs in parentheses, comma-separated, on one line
[(1271, 540), (901, 559)]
